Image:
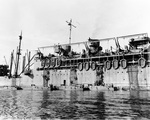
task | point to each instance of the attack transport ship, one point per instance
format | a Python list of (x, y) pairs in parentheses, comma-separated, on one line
[(94, 63)]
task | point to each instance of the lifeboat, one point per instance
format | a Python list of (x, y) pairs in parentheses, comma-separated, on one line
[(93, 65), (123, 63), (142, 62), (53, 62), (108, 64), (87, 66), (115, 64), (80, 66), (43, 63), (47, 63), (58, 62)]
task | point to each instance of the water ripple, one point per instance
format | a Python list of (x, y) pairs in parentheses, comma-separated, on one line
[(28, 104)]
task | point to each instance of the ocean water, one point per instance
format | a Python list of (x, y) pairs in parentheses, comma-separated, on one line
[(45, 104)]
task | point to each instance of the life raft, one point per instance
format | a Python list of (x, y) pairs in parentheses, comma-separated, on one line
[(80, 66), (87, 66), (108, 64), (93, 65), (142, 62), (115, 64), (123, 63)]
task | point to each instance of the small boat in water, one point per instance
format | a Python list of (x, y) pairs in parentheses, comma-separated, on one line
[(18, 88), (86, 89), (52, 88)]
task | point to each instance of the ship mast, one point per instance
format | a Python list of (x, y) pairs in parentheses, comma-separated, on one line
[(70, 25), (5, 60), (11, 63), (18, 55)]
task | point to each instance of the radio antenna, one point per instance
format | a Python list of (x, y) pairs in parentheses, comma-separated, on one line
[(70, 25)]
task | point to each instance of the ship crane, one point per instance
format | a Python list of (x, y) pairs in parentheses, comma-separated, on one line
[(70, 25)]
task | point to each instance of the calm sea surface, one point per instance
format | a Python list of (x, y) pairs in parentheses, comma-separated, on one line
[(45, 104)]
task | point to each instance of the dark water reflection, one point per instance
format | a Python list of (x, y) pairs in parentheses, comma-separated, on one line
[(74, 104)]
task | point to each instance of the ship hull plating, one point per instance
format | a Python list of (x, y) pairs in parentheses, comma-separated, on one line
[(132, 77)]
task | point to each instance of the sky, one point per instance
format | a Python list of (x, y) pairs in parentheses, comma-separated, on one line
[(43, 22)]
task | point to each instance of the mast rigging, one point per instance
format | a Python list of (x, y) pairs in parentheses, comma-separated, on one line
[(70, 25), (18, 55)]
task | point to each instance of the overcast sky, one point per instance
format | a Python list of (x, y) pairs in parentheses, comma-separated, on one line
[(43, 22)]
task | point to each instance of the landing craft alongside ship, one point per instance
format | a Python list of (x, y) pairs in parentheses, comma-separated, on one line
[(126, 68)]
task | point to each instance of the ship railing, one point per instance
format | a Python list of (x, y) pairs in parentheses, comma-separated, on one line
[(134, 35), (131, 57), (105, 56), (77, 43), (110, 57), (105, 39)]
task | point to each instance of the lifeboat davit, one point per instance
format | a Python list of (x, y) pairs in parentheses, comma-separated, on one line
[(58, 62), (142, 62), (108, 65), (87, 66), (115, 64), (80, 66), (47, 63), (53, 62), (123, 63), (43, 63), (93, 65)]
